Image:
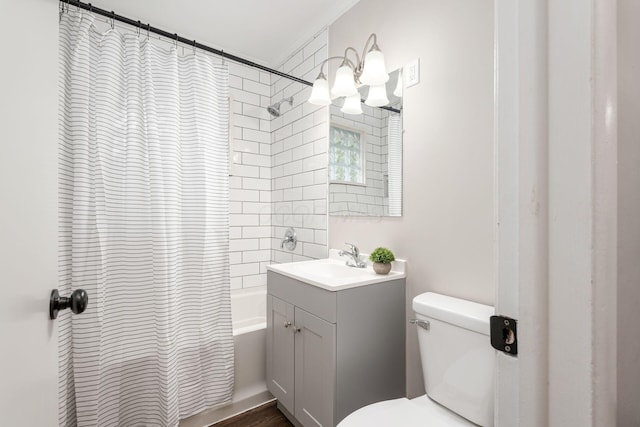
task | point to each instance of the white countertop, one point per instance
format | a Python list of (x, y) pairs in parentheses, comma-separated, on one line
[(333, 275)]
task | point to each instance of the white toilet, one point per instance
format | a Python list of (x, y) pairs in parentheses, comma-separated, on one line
[(458, 365)]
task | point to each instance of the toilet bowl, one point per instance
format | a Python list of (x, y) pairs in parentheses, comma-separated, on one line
[(458, 366), (418, 412)]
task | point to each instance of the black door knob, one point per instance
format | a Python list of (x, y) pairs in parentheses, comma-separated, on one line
[(77, 302)]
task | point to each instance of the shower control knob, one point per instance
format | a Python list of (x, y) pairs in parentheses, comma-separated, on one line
[(77, 302), (290, 239)]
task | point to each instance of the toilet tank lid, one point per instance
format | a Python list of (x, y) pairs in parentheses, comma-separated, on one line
[(466, 314)]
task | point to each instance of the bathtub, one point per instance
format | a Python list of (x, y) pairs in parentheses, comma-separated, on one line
[(248, 310), (249, 315)]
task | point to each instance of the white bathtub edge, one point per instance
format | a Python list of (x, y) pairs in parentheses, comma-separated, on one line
[(254, 326)]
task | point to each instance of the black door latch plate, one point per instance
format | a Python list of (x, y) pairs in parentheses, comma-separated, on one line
[(504, 334)]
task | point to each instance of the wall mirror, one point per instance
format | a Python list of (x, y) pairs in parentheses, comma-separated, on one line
[(365, 154)]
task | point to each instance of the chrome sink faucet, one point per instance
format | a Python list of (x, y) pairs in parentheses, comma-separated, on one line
[(355, 257)]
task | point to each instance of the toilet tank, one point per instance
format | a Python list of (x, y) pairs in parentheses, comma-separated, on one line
[(457, 357)]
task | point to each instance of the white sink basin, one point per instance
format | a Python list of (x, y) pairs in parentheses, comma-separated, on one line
[(333, 274)]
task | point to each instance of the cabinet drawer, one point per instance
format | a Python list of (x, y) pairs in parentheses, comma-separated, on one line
[(320, 302)]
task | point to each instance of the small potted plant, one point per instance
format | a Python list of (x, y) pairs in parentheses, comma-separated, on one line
[(381, 258)]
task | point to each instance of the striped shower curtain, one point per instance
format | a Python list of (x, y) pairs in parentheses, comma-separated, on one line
[(143, 208)]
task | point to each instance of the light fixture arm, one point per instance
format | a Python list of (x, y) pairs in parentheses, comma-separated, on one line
[(373, 37), (352, 74), (357, 70), (374, 46), (343, 58), (357, 65)]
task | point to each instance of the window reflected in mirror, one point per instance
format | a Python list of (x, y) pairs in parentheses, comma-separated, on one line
[(347, 153), (365, 157)]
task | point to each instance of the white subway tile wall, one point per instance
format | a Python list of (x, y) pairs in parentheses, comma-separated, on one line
[(299, 158), (250, 181), (278, 171)]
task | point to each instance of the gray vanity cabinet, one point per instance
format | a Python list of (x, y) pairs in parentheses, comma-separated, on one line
[(280, 350), (301, 362), (315, 369), (332, 352)]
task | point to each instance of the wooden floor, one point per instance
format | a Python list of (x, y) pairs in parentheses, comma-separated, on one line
[(266, 415)]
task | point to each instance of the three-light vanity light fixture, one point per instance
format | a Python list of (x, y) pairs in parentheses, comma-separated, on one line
[(368, 69)]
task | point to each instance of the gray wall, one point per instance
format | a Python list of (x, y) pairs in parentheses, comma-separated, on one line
[(446, 231)]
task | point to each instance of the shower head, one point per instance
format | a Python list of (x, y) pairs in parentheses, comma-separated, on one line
[(274, 109)]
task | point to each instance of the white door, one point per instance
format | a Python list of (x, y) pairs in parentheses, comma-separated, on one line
[(506, 212), (520, 132), (28, 212), (555, 145)]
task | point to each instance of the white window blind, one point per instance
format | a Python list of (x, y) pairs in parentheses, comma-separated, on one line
[(395, 164)]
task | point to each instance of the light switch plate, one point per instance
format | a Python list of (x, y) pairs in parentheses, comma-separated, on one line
[(411, 73)]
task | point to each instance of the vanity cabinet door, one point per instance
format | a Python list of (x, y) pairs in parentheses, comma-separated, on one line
[(315, 367), (280, 351)]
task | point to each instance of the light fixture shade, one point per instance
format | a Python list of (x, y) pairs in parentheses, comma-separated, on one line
[(377, 96), (320, 92), (352, 105), (374, 72), (344, 84), (398, 90)]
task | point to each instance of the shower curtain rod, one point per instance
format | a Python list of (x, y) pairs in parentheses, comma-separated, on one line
[(193, 43), (177, 38)]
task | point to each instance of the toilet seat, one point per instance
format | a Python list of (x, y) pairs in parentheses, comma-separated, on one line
[(418, 412)]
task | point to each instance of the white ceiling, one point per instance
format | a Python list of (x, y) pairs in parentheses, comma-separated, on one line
[(262, 31)]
